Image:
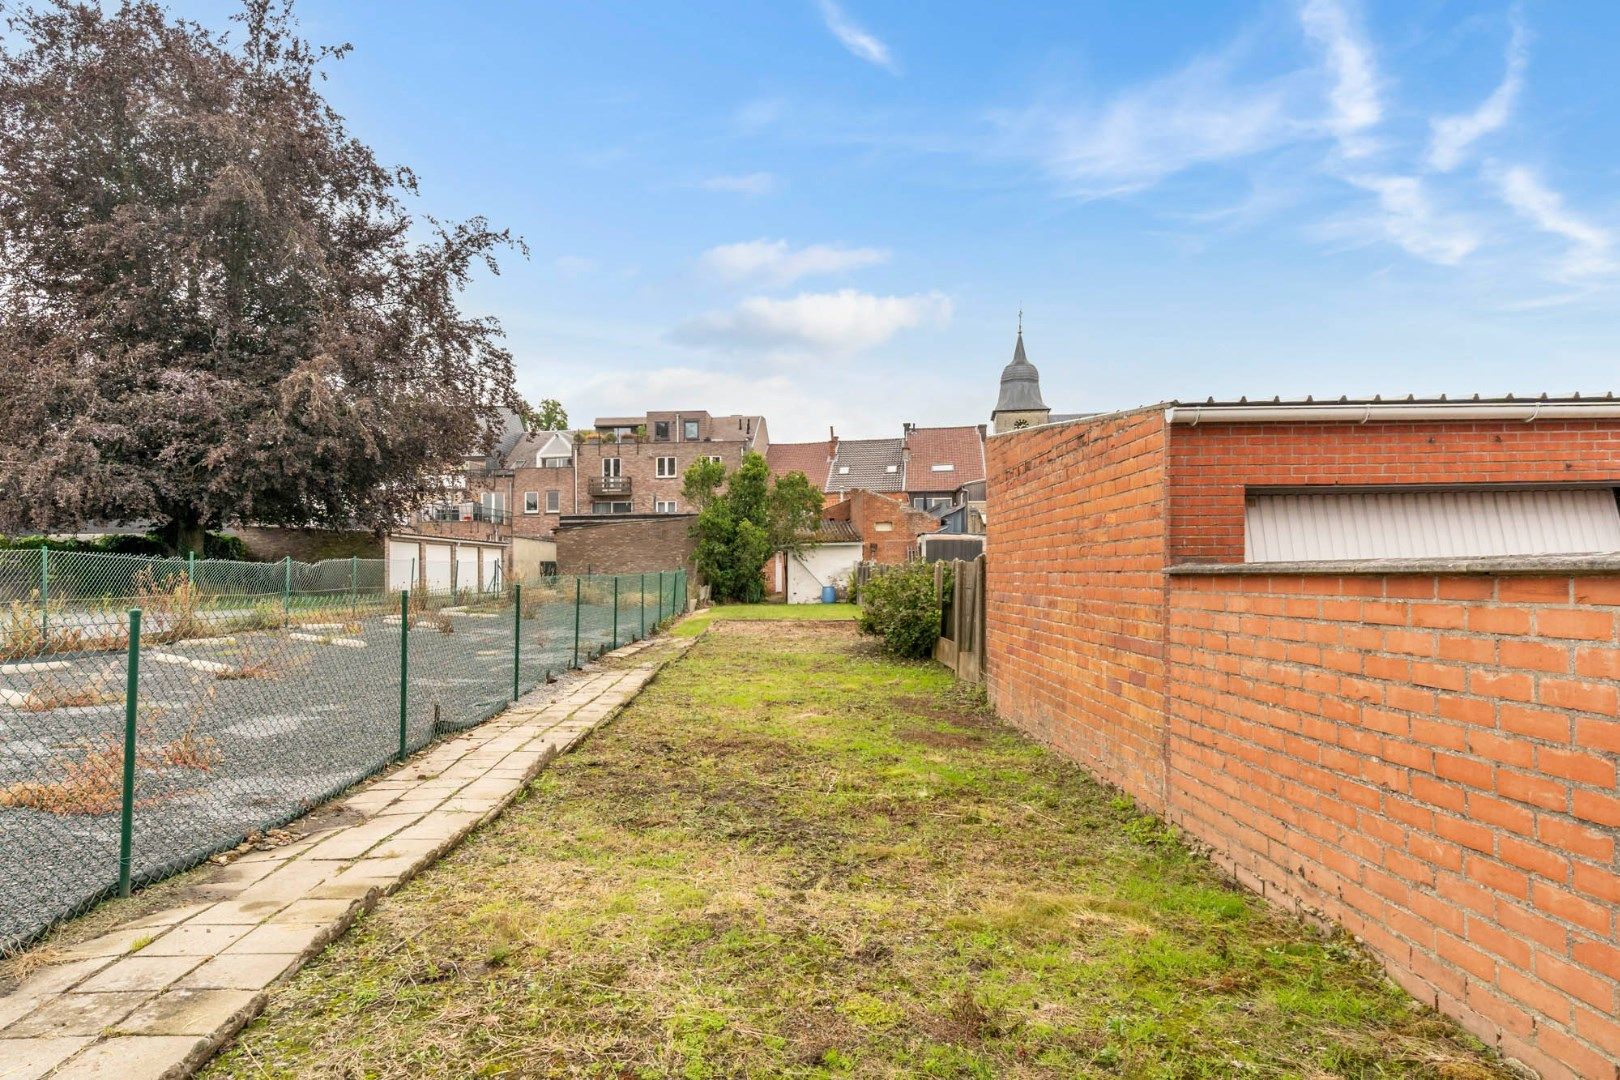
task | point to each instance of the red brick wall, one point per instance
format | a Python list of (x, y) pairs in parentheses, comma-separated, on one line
[(638, 461), (1211, 463), (1075, 592), (1430, 761), (628, 546), (868, 511)]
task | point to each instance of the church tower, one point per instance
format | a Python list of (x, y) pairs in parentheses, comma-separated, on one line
[(1020, 403)]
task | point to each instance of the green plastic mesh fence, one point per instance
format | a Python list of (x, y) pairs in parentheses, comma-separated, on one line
[(260, 690)]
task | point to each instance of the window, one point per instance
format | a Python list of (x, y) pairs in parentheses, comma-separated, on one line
[(661, 430), (891, 468), (1310, 527), (610, 508), (531, 502), (610, 468), (883, 526), (689, 430), (717, 459), (665, 468), (946, 467), (554, 463), (665, 506), (553, 502), (843, 470)]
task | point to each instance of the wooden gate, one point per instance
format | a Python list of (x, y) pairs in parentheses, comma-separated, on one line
[(961, 615)]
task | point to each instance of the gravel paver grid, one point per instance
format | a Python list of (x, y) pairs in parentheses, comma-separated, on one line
[(157, 996), (250, 711)]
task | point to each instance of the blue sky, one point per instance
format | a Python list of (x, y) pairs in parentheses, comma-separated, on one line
[(831, 212)]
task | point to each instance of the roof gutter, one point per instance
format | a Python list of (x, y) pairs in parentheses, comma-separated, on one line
[(1396, 411)]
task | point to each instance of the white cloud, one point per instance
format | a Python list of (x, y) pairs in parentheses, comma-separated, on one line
[(839, 322), (1193, 116), (776, 262), (1356, 105), (1590, 246), (573, 266), (854, 37), (754, 183), (1452, 136), (1410, 220)]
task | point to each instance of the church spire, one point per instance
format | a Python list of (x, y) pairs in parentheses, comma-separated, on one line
[(1019, 403)]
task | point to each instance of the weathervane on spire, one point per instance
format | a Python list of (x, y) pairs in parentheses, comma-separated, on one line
[(1020, 319)]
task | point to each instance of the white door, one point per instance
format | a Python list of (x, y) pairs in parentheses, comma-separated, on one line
[(401, 565), (437, 566), (466, 567)]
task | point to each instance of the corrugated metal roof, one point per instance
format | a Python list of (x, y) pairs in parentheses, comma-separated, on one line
[(1417, 524)]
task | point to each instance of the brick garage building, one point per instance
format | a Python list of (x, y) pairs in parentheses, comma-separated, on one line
[(1422, 749)]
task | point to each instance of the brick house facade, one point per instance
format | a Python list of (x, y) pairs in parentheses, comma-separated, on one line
[(887, 528), (624, 465), (1425, 751)]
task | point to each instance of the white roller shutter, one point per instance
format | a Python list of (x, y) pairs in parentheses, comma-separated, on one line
[(1428, 524)]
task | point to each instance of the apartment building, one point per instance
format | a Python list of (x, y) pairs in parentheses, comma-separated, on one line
[(622, 465)]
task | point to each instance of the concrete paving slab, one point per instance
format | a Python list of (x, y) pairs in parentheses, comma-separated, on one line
[(77, 1014), (135, 1057), (30, 1059), (140, 973), (240, 971), (192, 1012), (200, 940)]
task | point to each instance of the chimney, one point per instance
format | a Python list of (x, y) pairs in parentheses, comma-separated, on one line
[(832, 443)]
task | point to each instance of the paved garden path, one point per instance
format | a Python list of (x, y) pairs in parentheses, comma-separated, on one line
[(156, 996)]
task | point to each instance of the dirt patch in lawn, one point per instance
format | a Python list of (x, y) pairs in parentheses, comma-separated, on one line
[(792, 857)]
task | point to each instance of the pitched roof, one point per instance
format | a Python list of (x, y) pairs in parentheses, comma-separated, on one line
[(809, 458), (962, 448), (537, 444), (873, 464)]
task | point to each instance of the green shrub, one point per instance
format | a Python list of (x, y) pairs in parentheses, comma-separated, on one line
[(900, 607)]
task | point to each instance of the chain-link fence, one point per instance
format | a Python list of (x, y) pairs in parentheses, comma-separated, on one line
[(156, 711)]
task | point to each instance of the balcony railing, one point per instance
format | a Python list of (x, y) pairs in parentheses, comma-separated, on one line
[(603, 486), (466, 512)]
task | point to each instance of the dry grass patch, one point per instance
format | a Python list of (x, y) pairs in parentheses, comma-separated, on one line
[(762, 868)]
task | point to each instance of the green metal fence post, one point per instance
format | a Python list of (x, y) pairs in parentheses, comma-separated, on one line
[(576, 619), (126, 818), (404, 663), (191, 568), (44, 598), (660, 621), (286, 588), (354, 584), (517, 634), (641, 605), (615, 611)]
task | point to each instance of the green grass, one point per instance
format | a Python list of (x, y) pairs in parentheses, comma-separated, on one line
[(793, 857), (701, 620)]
